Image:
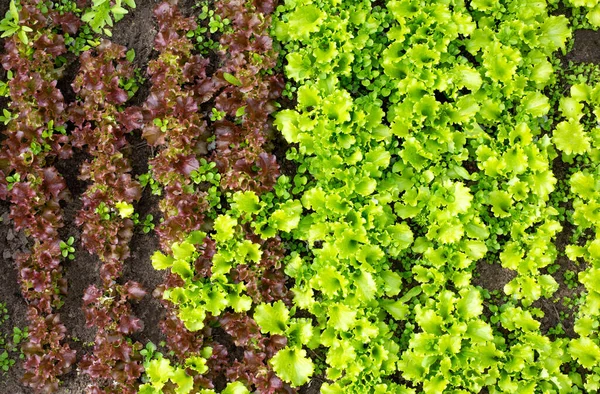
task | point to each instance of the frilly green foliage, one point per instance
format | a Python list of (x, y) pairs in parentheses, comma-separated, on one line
[(424, 139), (213, 295)]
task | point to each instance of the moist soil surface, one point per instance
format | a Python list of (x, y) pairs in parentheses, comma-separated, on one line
[(137, 30)]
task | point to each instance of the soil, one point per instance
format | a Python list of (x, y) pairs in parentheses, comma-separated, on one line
[(137, 31), (586, 47)]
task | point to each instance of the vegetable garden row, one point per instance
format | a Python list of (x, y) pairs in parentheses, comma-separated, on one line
[(423, 139)]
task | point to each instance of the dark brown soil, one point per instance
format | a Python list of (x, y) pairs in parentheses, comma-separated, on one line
[(586, 48), (492, 276)]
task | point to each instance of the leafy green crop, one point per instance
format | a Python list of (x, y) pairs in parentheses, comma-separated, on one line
[(67, 249), (11, 24), (424, 142), (9, 344), (198, 298), (103, 12)]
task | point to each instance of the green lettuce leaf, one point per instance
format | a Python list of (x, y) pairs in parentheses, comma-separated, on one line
[(159, 372), (570, 138), (292, 366), (125, 209), (160, 261), (585, 351), (224, 225), (272, 319), (183, 251), (554, 33), (246, 202), (470, 305), (236, 388), (342, 317), (305, 20)]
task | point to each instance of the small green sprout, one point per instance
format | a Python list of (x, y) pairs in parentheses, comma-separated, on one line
[(162, 124), (553, 268), (83, 41), (217, 115), (132, 85), (19, 336), (570, 279), (216, 24), (12, 179), (147, 179), (67, 249), (5, 361), (7, 116), (99, 15), (10, 25), (103, 210), (36, 148), (51, 129), (148, 224), (149, 352)]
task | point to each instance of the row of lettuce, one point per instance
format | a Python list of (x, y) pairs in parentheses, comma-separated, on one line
[(201, 161), (36, 189), (423, 138)]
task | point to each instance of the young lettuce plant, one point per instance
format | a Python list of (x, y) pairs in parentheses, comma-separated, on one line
[(222, 273), (67, 250), (101, 124), (101, 14), (291, 362), (10, 24)]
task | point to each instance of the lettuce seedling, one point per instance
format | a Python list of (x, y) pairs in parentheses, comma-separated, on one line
[(12, 179), (66, 248), (11, 25), (7, 116), (99, 15)]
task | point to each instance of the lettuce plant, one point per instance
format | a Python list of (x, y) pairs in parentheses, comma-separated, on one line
[(34, 187), (102, 13), (422, 144), (229, 273), (10, 25), (234, 268), (173, 124), (100, 127)]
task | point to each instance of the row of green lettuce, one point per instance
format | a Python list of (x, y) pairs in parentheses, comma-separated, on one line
[(424, 137)]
